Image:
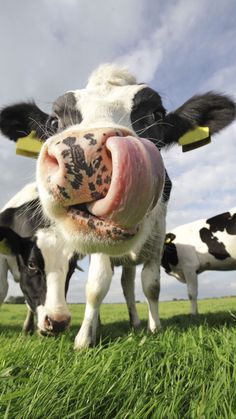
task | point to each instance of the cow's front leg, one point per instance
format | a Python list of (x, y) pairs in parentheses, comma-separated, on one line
[(99, 280), (192, 286), (3, 279), (151, 288), (28, 326), (127, 282)]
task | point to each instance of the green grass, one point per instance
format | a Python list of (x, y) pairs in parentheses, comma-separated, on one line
[(188, 370)]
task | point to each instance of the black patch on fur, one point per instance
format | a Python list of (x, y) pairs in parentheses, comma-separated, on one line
[(63, 192), (167, 188), (65, 107), (90, 137), (25, 219), (99, 180), (69, 141), (211, 110), (20, 119), (97, 162), (107, 180), (76, 163), (215, 248), (221, 222), (92, 186), (170, 256), (147, 114)]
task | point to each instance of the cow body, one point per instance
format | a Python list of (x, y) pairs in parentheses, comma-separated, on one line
[(200, 246), (101, 178), (37, 261)]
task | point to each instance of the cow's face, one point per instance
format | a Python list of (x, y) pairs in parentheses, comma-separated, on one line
[(45, 271), (98, 176), (32, 275)]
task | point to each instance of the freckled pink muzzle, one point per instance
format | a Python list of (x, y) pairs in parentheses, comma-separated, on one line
[(105, 179)]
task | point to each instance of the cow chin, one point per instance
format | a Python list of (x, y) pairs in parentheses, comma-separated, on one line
[(84, 232), (87, 240), (94, 235)]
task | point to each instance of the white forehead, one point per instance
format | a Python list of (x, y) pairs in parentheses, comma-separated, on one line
[(108, 96), (110, 74)]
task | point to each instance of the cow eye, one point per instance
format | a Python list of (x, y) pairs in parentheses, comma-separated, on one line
[(32, 267), (53, 124)]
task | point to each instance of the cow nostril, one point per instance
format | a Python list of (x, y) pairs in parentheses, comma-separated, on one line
[(51, 161), (48, 323)]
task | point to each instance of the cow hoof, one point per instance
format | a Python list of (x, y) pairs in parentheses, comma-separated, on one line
[(154, 329), (83, 341), (28, 330), (136, 326)]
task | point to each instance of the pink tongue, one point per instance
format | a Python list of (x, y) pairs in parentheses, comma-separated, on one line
[(137, 181)]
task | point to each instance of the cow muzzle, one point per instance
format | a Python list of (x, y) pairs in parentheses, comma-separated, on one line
[(103, 179), (52, 325)]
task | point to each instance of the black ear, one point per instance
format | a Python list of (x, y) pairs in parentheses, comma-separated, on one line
[(13, 243), (19, 120), (212, 110)]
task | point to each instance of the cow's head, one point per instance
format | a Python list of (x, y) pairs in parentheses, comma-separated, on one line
[(45, 270), (100, 172)]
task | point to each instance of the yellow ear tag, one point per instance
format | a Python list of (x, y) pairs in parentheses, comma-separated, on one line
[(169, 238), (5, 248), (29, 146), (195, 138)]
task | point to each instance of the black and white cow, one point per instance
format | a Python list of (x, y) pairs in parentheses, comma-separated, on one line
[(203, 245), (101, 177), (37, 260)]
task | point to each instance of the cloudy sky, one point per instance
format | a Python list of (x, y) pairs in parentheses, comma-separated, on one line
[(179, 47)]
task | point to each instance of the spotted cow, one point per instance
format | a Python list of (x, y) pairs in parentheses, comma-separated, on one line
[(35, 255), (101, 177), (204, 245)]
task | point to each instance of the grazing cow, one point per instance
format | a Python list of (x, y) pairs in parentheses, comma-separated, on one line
[(37, 260), (101, 177), (204, 245)]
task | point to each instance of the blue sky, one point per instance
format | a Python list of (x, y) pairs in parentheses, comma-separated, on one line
[(179, 47)]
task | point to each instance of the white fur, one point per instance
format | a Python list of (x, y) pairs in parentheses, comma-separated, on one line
[(98, 284), (56, 261), (194, 256)]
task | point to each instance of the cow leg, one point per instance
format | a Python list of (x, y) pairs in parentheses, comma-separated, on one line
[(151, 287), (127, 282), (192, 286), (99, 280), (28, 326), (3, 279)]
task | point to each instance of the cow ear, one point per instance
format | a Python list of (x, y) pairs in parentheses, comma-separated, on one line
[(193, 123), (169, 238), (20, 119), (11, 243)]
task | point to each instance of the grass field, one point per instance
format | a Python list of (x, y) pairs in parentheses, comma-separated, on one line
[(188, 370)]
